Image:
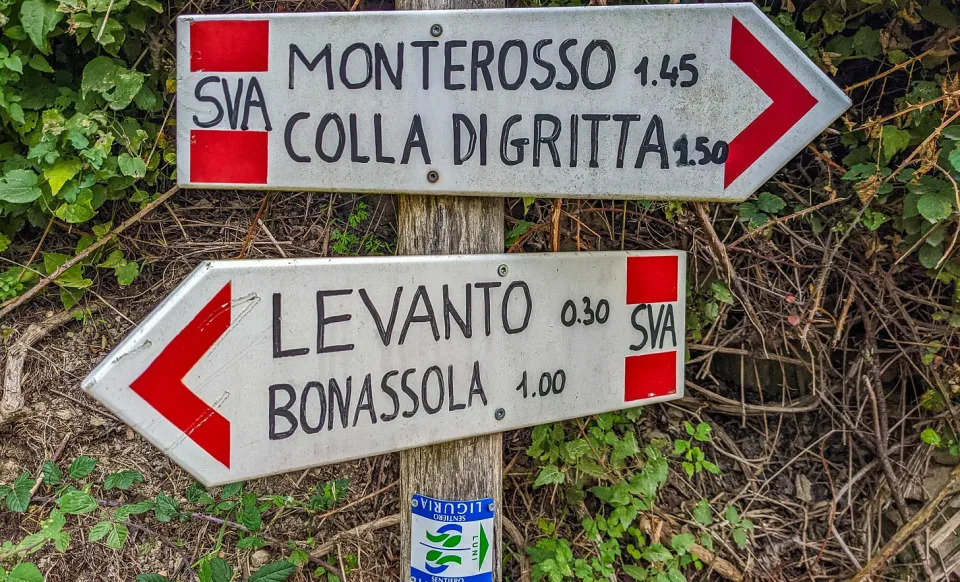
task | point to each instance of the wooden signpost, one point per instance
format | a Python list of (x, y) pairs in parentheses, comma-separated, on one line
[(258, 367)]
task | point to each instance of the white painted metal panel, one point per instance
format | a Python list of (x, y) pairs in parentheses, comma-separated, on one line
[(226, 375), (732, 84)]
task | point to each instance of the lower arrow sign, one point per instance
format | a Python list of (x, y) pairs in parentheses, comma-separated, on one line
[(161, 384), (791, 101)]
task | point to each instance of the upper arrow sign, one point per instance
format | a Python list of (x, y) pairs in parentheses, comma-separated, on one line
[(695, 102)]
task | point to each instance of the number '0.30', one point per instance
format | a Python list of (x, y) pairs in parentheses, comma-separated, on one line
[(569, 314)]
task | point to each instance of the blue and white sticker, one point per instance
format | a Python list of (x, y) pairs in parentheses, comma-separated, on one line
[(451, 540)]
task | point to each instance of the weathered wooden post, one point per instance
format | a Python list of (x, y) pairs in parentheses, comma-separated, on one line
[(429, 225)]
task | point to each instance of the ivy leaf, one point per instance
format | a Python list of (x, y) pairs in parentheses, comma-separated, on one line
[(18, 499), (740, 537), (122, 480), (894, 140), (935, 206), (722, 292), (52, 474), (19, 187), (38, 63), (82, 465), (549, 475), (39, 18), (25, 572)]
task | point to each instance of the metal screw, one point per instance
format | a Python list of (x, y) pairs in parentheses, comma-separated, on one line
[(414, 503), (502, 270), (499, 414), (436, 30), (433, 176), (490, 507)]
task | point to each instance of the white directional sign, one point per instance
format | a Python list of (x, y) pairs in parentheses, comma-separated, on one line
[(700, 102), (251, 368)]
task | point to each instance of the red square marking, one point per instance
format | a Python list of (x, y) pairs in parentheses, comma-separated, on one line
[(652, 279), (228, 157), (229, 46), (649, 376)]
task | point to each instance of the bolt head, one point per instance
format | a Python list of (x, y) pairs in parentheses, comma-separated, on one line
[(414, 503), (502, 270), (433, 176), (436, 30), (499, 414)]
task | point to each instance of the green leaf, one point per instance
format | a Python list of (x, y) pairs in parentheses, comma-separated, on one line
[(656, 553), (740, 537), (122, 480), (25, 572), (770, 203), (39, 18), (216, 570), (76, 502), (127, 85), (231, 490), (62, 541), (549, 475), (58, 174), (681, 543), (132, 166), (935, 206), (166, 508), (702, 512), (118, 536), (152, 578), (19, 187), (732, 515), (100, 531), (82, 465), (635, 572), (929, 256), (894, 140), (99, 76), (931, 437), (38, 63), (722, 292), (52, 474), (249, 514), (273, 572), (18, 499), (125, 511), (127, 273), (954, 157)]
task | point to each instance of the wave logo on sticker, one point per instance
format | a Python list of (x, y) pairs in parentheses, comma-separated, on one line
[(448, 537)]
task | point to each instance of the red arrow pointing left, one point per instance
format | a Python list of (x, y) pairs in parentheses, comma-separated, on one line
[(161, 384)]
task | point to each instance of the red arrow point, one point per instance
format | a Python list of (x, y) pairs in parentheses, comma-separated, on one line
[(791, 101), (161, 384)]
